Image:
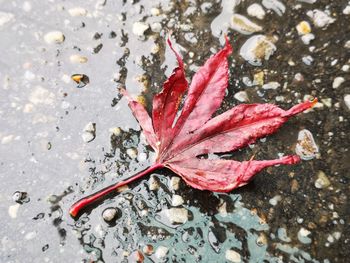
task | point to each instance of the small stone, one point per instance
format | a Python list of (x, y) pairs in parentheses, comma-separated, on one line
[(78, 59), (243, 25), (139, 28), (156, 27), (294, 186), (259, 78), (345, 68), (5, 18), (148, 250), (274, 201), (174, 183), (307, 60), (161, 252), (77, 11), (320, 18), (322, 180), (153, 183), (303, 236), (13, 210), (257, 48), (89, 132), (233, 256), (30, 235), (303, 28), (275, 5), (20, 197), (298, 77), (307, 38), (282, 235), (337, 82), (132, 153), (109, 214), (241, 96), (271, 85), (346, 10), (347, 100), (81, 79), (306, 146), (54, 37), (256, 10), (142, 157), (155, 11), (177, 200), (177, 215)]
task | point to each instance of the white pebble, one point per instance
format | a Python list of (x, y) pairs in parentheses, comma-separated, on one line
[(271, 85), (161, 252), (303, 28), (243, 25), (30, 235), (177, 215), (337, 82), (274, 5), (109, 214), (77, 59), (89, 132), (132, 153), (77, 11), (346, 10), (142, 157), (5, 18), (322, 180), (241, 96), (156, 27), (320, 18), (306, 146), (256, 10), (257, 48), (174, 183), (303, 236), (347, 100), (153, 183), (54, 37), (155, 11), (177, 200), (233, 256), (139, 28), (13, 210), (345, 68), (274, 201), (307, 38), (307, 60)]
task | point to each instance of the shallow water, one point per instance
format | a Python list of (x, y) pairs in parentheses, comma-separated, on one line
[(287, 214)]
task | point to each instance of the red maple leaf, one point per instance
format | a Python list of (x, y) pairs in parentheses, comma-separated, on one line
[(179, 137)]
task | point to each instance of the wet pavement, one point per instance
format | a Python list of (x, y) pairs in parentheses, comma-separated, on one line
[(61, 140)]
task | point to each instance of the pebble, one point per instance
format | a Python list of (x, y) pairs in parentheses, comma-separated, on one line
[(148, 250), (271, 85), (337, 82), (256, 10), (320, 18), (274, 201), (78, 59), (54, 37), (139, 28), (303, 236), (282, 235), (257, 48), (233, 256), (30, 235), (307, 38), (77, 11), (345, 68), (307, 60), (132, 153), (20, 197), (243, 25), (346, 10), (142, 157), (303, 28), (89, 132), (5, 18), (347, 100), (177, 200), (153, 183), (156, 27), (241, 96), (306, 146), (322, 180), (13, 210), (109, 214), (174, 183), (155, 11), (177, 215), (161, 252), (274, 5)]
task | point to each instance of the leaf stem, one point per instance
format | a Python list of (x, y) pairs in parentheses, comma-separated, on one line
[(82, 203)]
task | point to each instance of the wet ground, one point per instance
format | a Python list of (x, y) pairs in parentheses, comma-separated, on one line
[(61, 141)]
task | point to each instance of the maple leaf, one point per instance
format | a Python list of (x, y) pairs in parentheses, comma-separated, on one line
[(179, 136)]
